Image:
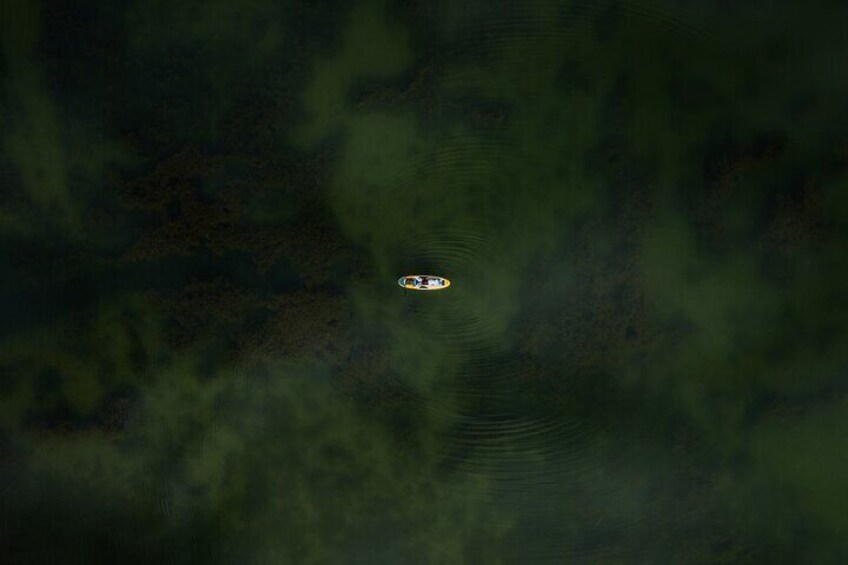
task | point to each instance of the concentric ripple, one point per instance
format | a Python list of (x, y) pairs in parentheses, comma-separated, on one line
[(501, 417)]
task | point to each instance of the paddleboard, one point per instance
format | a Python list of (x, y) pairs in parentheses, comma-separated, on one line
[(423, 282)]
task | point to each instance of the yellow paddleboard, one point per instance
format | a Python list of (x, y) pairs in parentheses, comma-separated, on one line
[(424, 282)]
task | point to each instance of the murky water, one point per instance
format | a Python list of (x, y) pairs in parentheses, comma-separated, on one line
[(206, 358)]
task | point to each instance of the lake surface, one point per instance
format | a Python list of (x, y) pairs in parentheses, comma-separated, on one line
[(642, 206)]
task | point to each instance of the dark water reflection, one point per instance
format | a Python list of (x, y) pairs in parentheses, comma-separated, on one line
[(640, 204)]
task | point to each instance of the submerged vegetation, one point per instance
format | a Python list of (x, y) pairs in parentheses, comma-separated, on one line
[(206, 358)]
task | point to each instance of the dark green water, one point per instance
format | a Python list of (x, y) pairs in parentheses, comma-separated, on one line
[(205, 356)]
